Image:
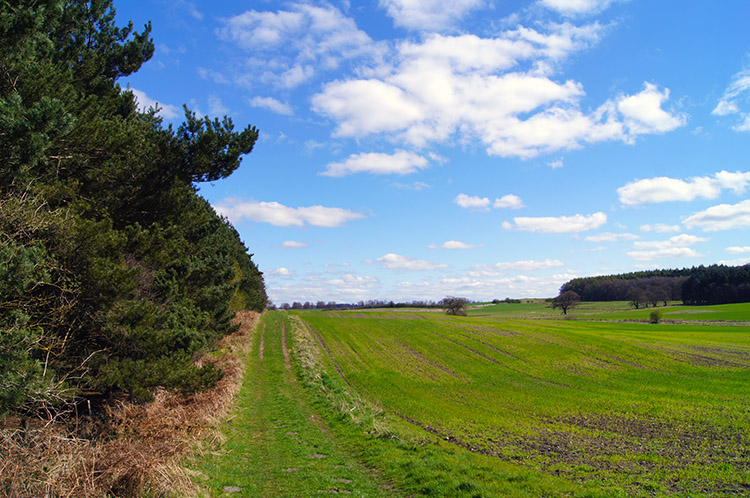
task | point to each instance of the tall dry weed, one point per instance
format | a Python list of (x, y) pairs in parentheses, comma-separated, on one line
[(143, 447)]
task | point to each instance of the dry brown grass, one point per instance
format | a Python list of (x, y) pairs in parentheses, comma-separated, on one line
[(145, 446)]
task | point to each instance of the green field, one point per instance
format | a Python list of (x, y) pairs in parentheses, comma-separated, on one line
[(432, 405), (739, 312)]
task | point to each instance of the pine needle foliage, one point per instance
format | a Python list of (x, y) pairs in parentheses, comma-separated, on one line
[(115, 275)]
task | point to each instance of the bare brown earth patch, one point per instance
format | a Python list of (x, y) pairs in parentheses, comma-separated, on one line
[(607, 443)]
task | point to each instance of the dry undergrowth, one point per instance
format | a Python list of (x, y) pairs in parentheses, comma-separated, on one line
[(146, 444)]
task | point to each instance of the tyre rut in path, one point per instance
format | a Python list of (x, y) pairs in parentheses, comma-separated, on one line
[(276, 444)]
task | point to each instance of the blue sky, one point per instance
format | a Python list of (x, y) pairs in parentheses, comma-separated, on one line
[(413, 149)]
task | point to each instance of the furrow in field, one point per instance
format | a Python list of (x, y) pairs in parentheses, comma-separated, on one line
[(285, 348)]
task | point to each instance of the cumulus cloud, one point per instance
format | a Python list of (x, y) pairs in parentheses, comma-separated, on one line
[(293, 244), (272, 104), (398, 262), (486, 287), (500, 268), (454, 244), (611, 237), (477, 88), (576, 7), (472, 201), (721, 217), (427, 14), (738, 250), (734, 262), (288, 47), (735, 97), (401, 163), (508, 201), (643, 112), (342, 287), (475, 202), (660, 228), (664, 189), (280, 215), (144, 103), (677, 246), (280, 272), (560, 224)]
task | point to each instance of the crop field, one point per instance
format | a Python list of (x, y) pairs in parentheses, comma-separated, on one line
[(581, 408), (739, 312)]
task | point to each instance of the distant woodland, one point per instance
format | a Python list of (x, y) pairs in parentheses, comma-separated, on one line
[(115, 274), (715, 284)]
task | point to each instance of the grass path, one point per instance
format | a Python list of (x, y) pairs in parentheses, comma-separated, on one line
[(277, 446)]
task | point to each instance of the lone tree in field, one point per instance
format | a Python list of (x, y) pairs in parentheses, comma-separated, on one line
[(454, 305), (565, 301)]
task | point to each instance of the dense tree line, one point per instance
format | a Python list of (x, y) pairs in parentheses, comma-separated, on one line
[(115, 275), (657, 285), (715, 284)]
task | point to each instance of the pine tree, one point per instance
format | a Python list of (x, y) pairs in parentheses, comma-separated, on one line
[(115, 273)]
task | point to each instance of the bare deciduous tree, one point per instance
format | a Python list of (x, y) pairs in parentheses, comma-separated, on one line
[(565, 301)]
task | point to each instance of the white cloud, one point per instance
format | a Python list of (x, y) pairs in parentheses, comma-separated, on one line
[(721, 217), (367, 106), (576, 7), (216, 107), (398, 262), (500, 268), (476, 88), (667, 252), (734, 262), (675, 247), (427, 14), (664, 189), (508, 201), (557, 163), (472, 202), (401, 163), (560, 224), (737, 93), (643, 112), (287, 47), (144, 103), (683, 240), (611, 237), (660, 228), (272, 104), (475, 202), (454, 244), (280, 272), (280, 215), (417, 186), (738, 250), (341, 287), (210, 74), (293, 244), (486, 287)]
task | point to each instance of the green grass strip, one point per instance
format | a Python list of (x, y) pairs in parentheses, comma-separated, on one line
[(276, 445)]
